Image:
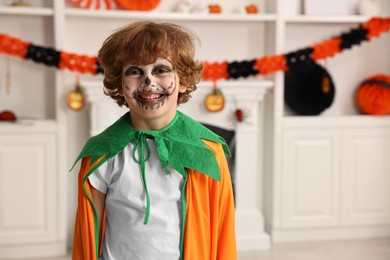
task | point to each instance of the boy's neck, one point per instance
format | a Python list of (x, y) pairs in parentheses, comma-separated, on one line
[(151, 123)]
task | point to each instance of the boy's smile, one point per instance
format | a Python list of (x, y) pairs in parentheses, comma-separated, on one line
[(151, 97), (151, 91)]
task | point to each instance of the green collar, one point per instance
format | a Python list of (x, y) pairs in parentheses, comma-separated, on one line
[(179, 144)]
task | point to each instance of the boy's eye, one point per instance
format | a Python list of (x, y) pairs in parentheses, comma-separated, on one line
[(133, 72), (161, 70)]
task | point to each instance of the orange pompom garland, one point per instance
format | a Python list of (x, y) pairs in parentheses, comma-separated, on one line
[(81, 63), (13, 46), (212, 70)]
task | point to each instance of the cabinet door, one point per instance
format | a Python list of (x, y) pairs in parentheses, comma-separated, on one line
[(27, 189), (310, 178), (366, 176)]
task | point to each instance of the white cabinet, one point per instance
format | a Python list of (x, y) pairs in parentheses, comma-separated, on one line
[(33, 174), (329, 173), (366, 177), (311, 178), (336, 177), (334, 180), (29, 184)]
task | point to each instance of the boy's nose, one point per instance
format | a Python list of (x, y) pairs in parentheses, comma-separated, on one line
[(147, 81)]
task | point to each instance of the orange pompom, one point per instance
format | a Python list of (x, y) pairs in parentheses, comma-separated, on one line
[(373, 95)]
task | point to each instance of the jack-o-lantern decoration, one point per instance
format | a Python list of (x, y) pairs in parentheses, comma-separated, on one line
[(75, 99), (215, 101), (373, 95)]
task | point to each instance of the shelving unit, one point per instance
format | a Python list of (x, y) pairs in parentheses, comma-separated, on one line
[(33, 149), (324, 168), (312, 164)]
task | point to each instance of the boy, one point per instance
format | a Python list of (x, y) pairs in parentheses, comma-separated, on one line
[(155, 184)]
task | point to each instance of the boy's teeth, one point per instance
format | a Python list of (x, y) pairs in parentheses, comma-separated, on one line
[(152, 96)]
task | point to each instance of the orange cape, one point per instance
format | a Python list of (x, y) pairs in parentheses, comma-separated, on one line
[(209, 220)]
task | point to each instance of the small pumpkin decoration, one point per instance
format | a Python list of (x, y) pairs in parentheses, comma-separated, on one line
[(215, 9), (251, 9), (75, 98), (215, 101), (7, 115), (373, 95)]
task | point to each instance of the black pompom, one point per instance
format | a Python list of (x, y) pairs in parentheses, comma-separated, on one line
[(308, 89), (242, 69), (48, 56)]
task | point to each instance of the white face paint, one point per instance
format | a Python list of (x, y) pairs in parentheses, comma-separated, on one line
[(151, 91), (149, 85)]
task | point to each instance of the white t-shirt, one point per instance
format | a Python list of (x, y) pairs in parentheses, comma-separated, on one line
[(126, 236)]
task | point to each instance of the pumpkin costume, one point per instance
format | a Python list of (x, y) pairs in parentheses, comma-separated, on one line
[(198, 154)]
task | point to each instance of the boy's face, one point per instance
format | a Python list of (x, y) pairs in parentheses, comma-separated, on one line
[(151, 91)]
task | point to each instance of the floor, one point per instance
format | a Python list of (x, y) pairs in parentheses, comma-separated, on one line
[(376, 249)]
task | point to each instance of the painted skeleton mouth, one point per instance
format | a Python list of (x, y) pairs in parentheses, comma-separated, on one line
[(149, 97)]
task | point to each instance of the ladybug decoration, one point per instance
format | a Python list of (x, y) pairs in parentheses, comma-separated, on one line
[(7, 116), (215, 101), (373, 95), (75, 99)]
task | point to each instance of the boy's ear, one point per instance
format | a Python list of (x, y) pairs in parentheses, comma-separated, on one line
[(182, 88), (120, 92)]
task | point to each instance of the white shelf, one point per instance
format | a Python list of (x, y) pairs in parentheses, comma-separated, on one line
[(336, 121), (327, 19), (33, 11), (238, 83), (29, 125), (171, 16)]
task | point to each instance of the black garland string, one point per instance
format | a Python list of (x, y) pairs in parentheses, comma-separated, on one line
[(48, 56), (297, 57), (242, 69), (354, 37), (235, 70)]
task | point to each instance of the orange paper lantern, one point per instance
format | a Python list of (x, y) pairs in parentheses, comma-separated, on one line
[(373, 95)]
